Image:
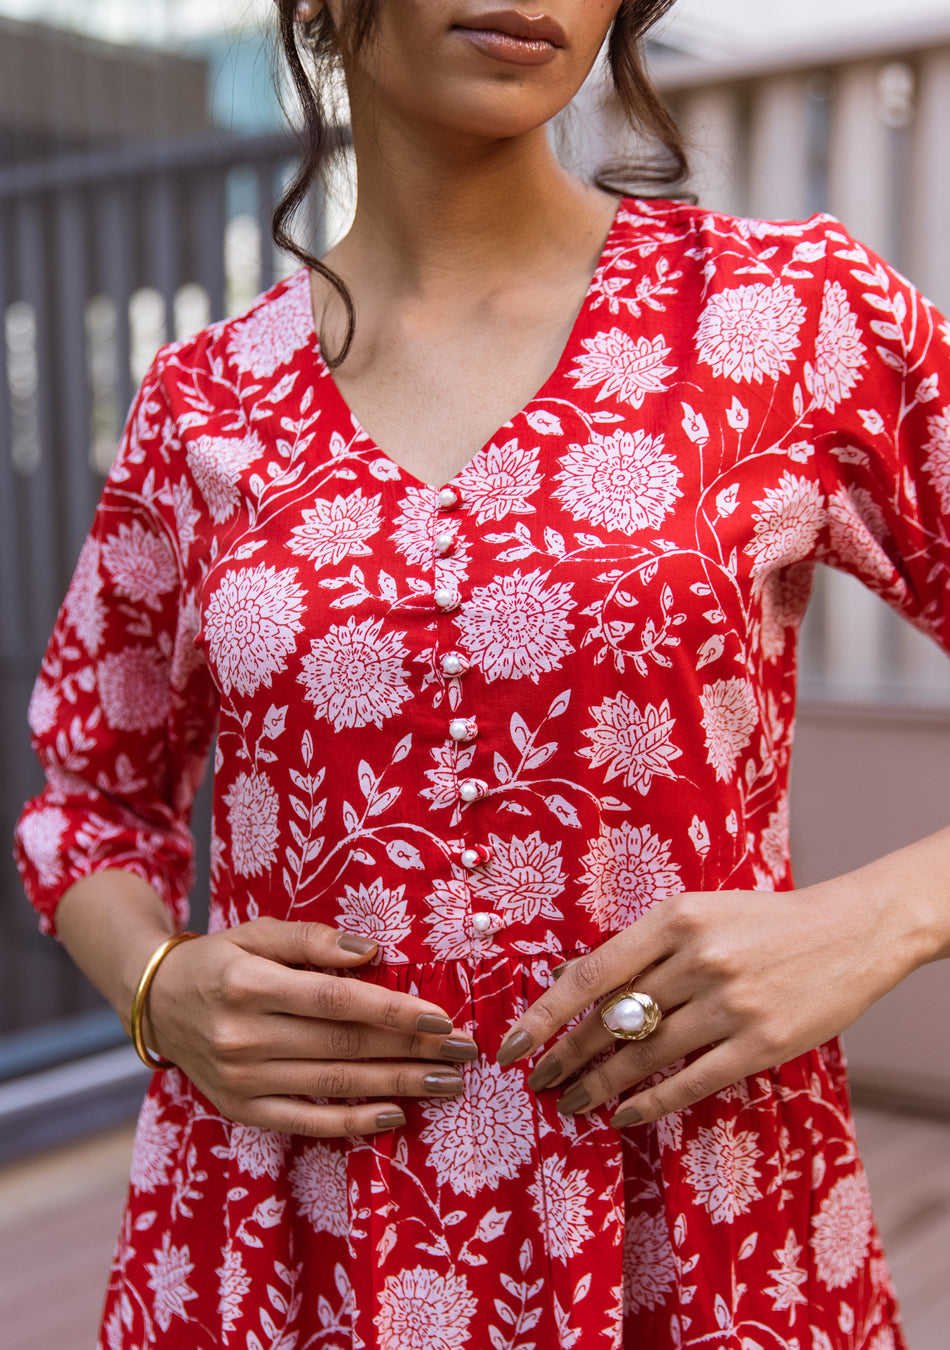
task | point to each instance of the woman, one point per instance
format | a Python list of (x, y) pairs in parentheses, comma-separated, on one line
[(493, 598)]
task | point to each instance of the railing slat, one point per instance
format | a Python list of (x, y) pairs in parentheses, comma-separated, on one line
[(113, 226), (12, 627), (209, 218), (930, 192), (69, 444), (859, 160), (40, 565), (164, 243), (778, 149), (711, 119)]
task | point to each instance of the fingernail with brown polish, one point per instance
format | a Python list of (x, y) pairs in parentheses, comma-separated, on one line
[(443, 1084), (544, 1075), (515, 1044), (574, 1099), (558, 971), (463, 1052), (390, 1120), (624, 1118), (438, 1026), (359, 946)]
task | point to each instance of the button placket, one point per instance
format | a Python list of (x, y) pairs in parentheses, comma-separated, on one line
[(461, 730)]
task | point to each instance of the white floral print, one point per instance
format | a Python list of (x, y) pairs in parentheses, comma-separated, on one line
[(730, 715), (632, 553), (217, 463), (260, 1153), (789, 1276), (233, 1287), (476, 1140), (156, 1140), (623, 367), (751, 333), (775, 840), (501, 482), (841, 1231), (271, 335), (133, 686), (377, 913), (44, 708), (559, 1195), (168, 1279), (82, 606), (318, 1182), (140, 563), (784, 596), (649, 1263), (425, 1310), (332, 531), (450, 761), (627, 869), (937, 462), (857, 531), (452, 933), (786, 523), (253, 812), (719, 1164), (518, 627), (251, 625), (635, 745), (418, 524), (526, 877), (354, 676), (625, 481), (41, 839), (839, 352)]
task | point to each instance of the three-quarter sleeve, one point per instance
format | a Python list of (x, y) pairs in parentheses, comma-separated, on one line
[(123, 710), (880, 384)]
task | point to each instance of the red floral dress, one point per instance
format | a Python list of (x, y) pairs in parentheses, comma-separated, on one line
[(489, 723)]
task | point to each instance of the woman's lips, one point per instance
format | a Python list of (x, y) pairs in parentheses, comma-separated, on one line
[(509, 35)]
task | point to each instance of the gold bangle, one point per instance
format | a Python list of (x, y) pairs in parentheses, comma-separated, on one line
[(141, 993)]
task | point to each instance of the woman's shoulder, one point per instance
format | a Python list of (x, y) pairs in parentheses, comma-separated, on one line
[(254, 347), (723, 245)]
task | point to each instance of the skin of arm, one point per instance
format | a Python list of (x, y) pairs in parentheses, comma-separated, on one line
[(747, 979)]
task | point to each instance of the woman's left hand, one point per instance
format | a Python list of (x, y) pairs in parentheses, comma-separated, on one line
[(754, 977)]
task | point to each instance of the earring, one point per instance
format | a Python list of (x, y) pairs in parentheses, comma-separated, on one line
[(307, 11)]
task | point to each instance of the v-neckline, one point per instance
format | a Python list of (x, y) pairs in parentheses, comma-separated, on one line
[(565, 357)]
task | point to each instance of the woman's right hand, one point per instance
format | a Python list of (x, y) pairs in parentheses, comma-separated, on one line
[(260, 1032)]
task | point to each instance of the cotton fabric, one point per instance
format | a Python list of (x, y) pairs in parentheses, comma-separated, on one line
[(628, 562)]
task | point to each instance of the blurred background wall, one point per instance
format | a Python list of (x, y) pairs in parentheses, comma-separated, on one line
[(141, 149)]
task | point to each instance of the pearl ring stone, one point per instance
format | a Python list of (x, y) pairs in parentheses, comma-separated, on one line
[(630, 1016)]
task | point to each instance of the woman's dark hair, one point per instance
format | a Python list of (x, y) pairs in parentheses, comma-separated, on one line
[(318, 44)]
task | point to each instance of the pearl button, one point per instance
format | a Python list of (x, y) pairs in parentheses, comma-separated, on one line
[(453, 664), (449, 499), (444, 543), (476, 857), (463, 729), (481, 923), (446, 600), (472, 789)]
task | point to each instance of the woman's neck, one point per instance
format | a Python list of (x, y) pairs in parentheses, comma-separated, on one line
[(434, 213)]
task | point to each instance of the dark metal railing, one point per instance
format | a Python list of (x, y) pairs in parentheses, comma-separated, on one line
[(83, 238)]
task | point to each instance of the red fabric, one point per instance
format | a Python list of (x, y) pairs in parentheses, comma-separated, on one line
[(631, 556)]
